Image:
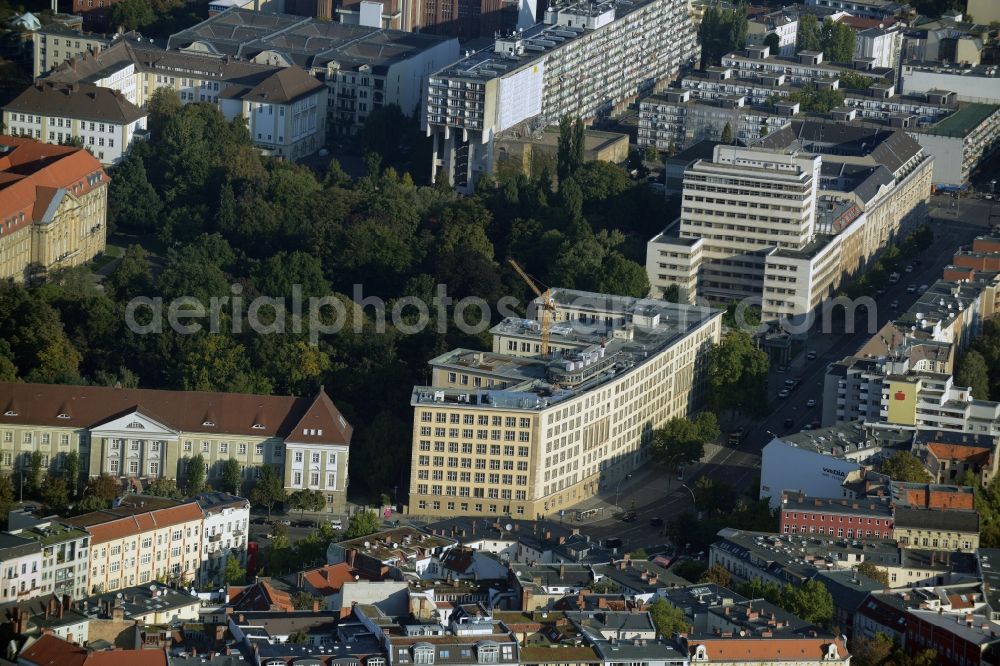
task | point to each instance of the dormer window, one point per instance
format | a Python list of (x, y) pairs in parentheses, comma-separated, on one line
[(423, 654), (63, 415), (134, 425), (257, 426), (375, 661), (208, 423), (700, 654), (488, 653), (10, 412)]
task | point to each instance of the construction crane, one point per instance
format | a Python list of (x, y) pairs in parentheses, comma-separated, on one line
[(548, 308)]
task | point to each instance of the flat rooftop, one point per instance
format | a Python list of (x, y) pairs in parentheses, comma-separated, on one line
[(967, 118)]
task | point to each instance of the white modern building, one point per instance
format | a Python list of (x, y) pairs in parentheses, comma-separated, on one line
[(980, 83), (225, 534), (882, 45), (585, 60)]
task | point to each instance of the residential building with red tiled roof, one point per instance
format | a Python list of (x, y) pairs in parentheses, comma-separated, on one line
[(50, 650), (261, 596), (766, 649), (132, 545), (140, 435), (53, 207)]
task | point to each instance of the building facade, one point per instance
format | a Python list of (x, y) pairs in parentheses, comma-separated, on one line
[(510, 432), (21, 573), (583, 60), (56, 43), (65, 558), (131, 544), (53, 208), (224, 534), (114, 433), (102, 120)]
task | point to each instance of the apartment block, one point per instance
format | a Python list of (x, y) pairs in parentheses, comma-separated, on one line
[(783, 24), (224, 534), (140, 540), (853, 518), (957, 531), (584, 60), (65, 557), (143, 434), (21, 568), (875, 9), (103, 120), (961, 141), (882, 45), (513, 432), (464, 19), (852, 189), (53, 208), (978, 84), (363, 67), (57, 43)]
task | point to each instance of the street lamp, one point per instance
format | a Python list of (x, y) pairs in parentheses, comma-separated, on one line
[(694, 501), (619, 487)]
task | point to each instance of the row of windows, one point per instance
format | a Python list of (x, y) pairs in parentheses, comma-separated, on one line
[(435, 505), (29, 438), (468, 477), (223, 447)]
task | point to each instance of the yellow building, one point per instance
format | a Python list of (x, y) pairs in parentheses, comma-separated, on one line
[(139, 435), (53, 207), (936, 529), (510, 432), (146, 539), (531, 155)]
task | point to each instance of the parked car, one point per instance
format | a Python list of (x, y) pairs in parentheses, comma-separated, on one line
[(336, 523), (811, 355), (283, 521), (810, 403), (911, 288), (656, 521), (629, 517), (789, 423), (895, 304), (783, 393), (612, 543), (909, 269), (922, 288)]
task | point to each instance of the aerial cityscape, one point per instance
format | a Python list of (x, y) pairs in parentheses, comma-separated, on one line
[(462, 332)]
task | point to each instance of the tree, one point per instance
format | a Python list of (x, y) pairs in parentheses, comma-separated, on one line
[(904, 466), (104, 486), (55, 493), (837, 41), (773, 43), (362, 524), (689, 569), (717, 574), (808, 34), (854, 80), (232, 476), (234, 574), (721, 31), (91, 503), (871, 651), (164, 488), (810, 601), (727, 134), (737, 372), (570, 147), (668, 620), (132, 199), (6, 497), (268, 490), (71, 470), (874, 572), (672, 294), (304, 601), (195, 475), (132, 14), (678, 443), (132, 276), (973, 372), (307, 500), (299, 637), (33, 478), (163, 105)]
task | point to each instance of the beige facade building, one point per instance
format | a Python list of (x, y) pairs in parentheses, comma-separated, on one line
[(142, 434), (143, 539), (56, 43), (53, 208), (510, 432)]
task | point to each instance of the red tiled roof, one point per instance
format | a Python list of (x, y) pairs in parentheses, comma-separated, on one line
[(329, 579), (32, 173), (128, 658), (105, 526), (767, 649), (261, 596), (958, 452), (50, 650), (187, 411)]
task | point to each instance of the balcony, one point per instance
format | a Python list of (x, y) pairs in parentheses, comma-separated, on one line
[(215, 537)]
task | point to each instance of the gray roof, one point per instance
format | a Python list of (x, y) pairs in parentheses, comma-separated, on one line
[(307, 42), (282, 87), (286, 623), (631, 574), (215, 501), (81, 101), (936, 519), (15, 546), (849, 589)]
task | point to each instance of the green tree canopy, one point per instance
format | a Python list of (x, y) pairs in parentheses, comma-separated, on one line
[(164, 488), (668, 619), (904, 466), (874, 572), (737, 373), (717, 574), (232, 476), (973, 372), (234, 574), (773, 43), (363, 524), (268, 490), (838, 41), (808, 35), (194, 478)]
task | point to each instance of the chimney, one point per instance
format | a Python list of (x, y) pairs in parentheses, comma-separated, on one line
[(315, 605), (300, 579), (562, 570)]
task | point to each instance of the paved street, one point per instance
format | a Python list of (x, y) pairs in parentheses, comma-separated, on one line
[(654, 493)]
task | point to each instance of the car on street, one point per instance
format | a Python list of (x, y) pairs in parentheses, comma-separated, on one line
[(807, 426), (336, 523), (789, 383), (783, 393), (895, 304), (629, 517), (612, 543), (811, 355), (789, 423), (922, 288), (810, 403), (656, 521), (909, 269), (283, 521), (911, 288)]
